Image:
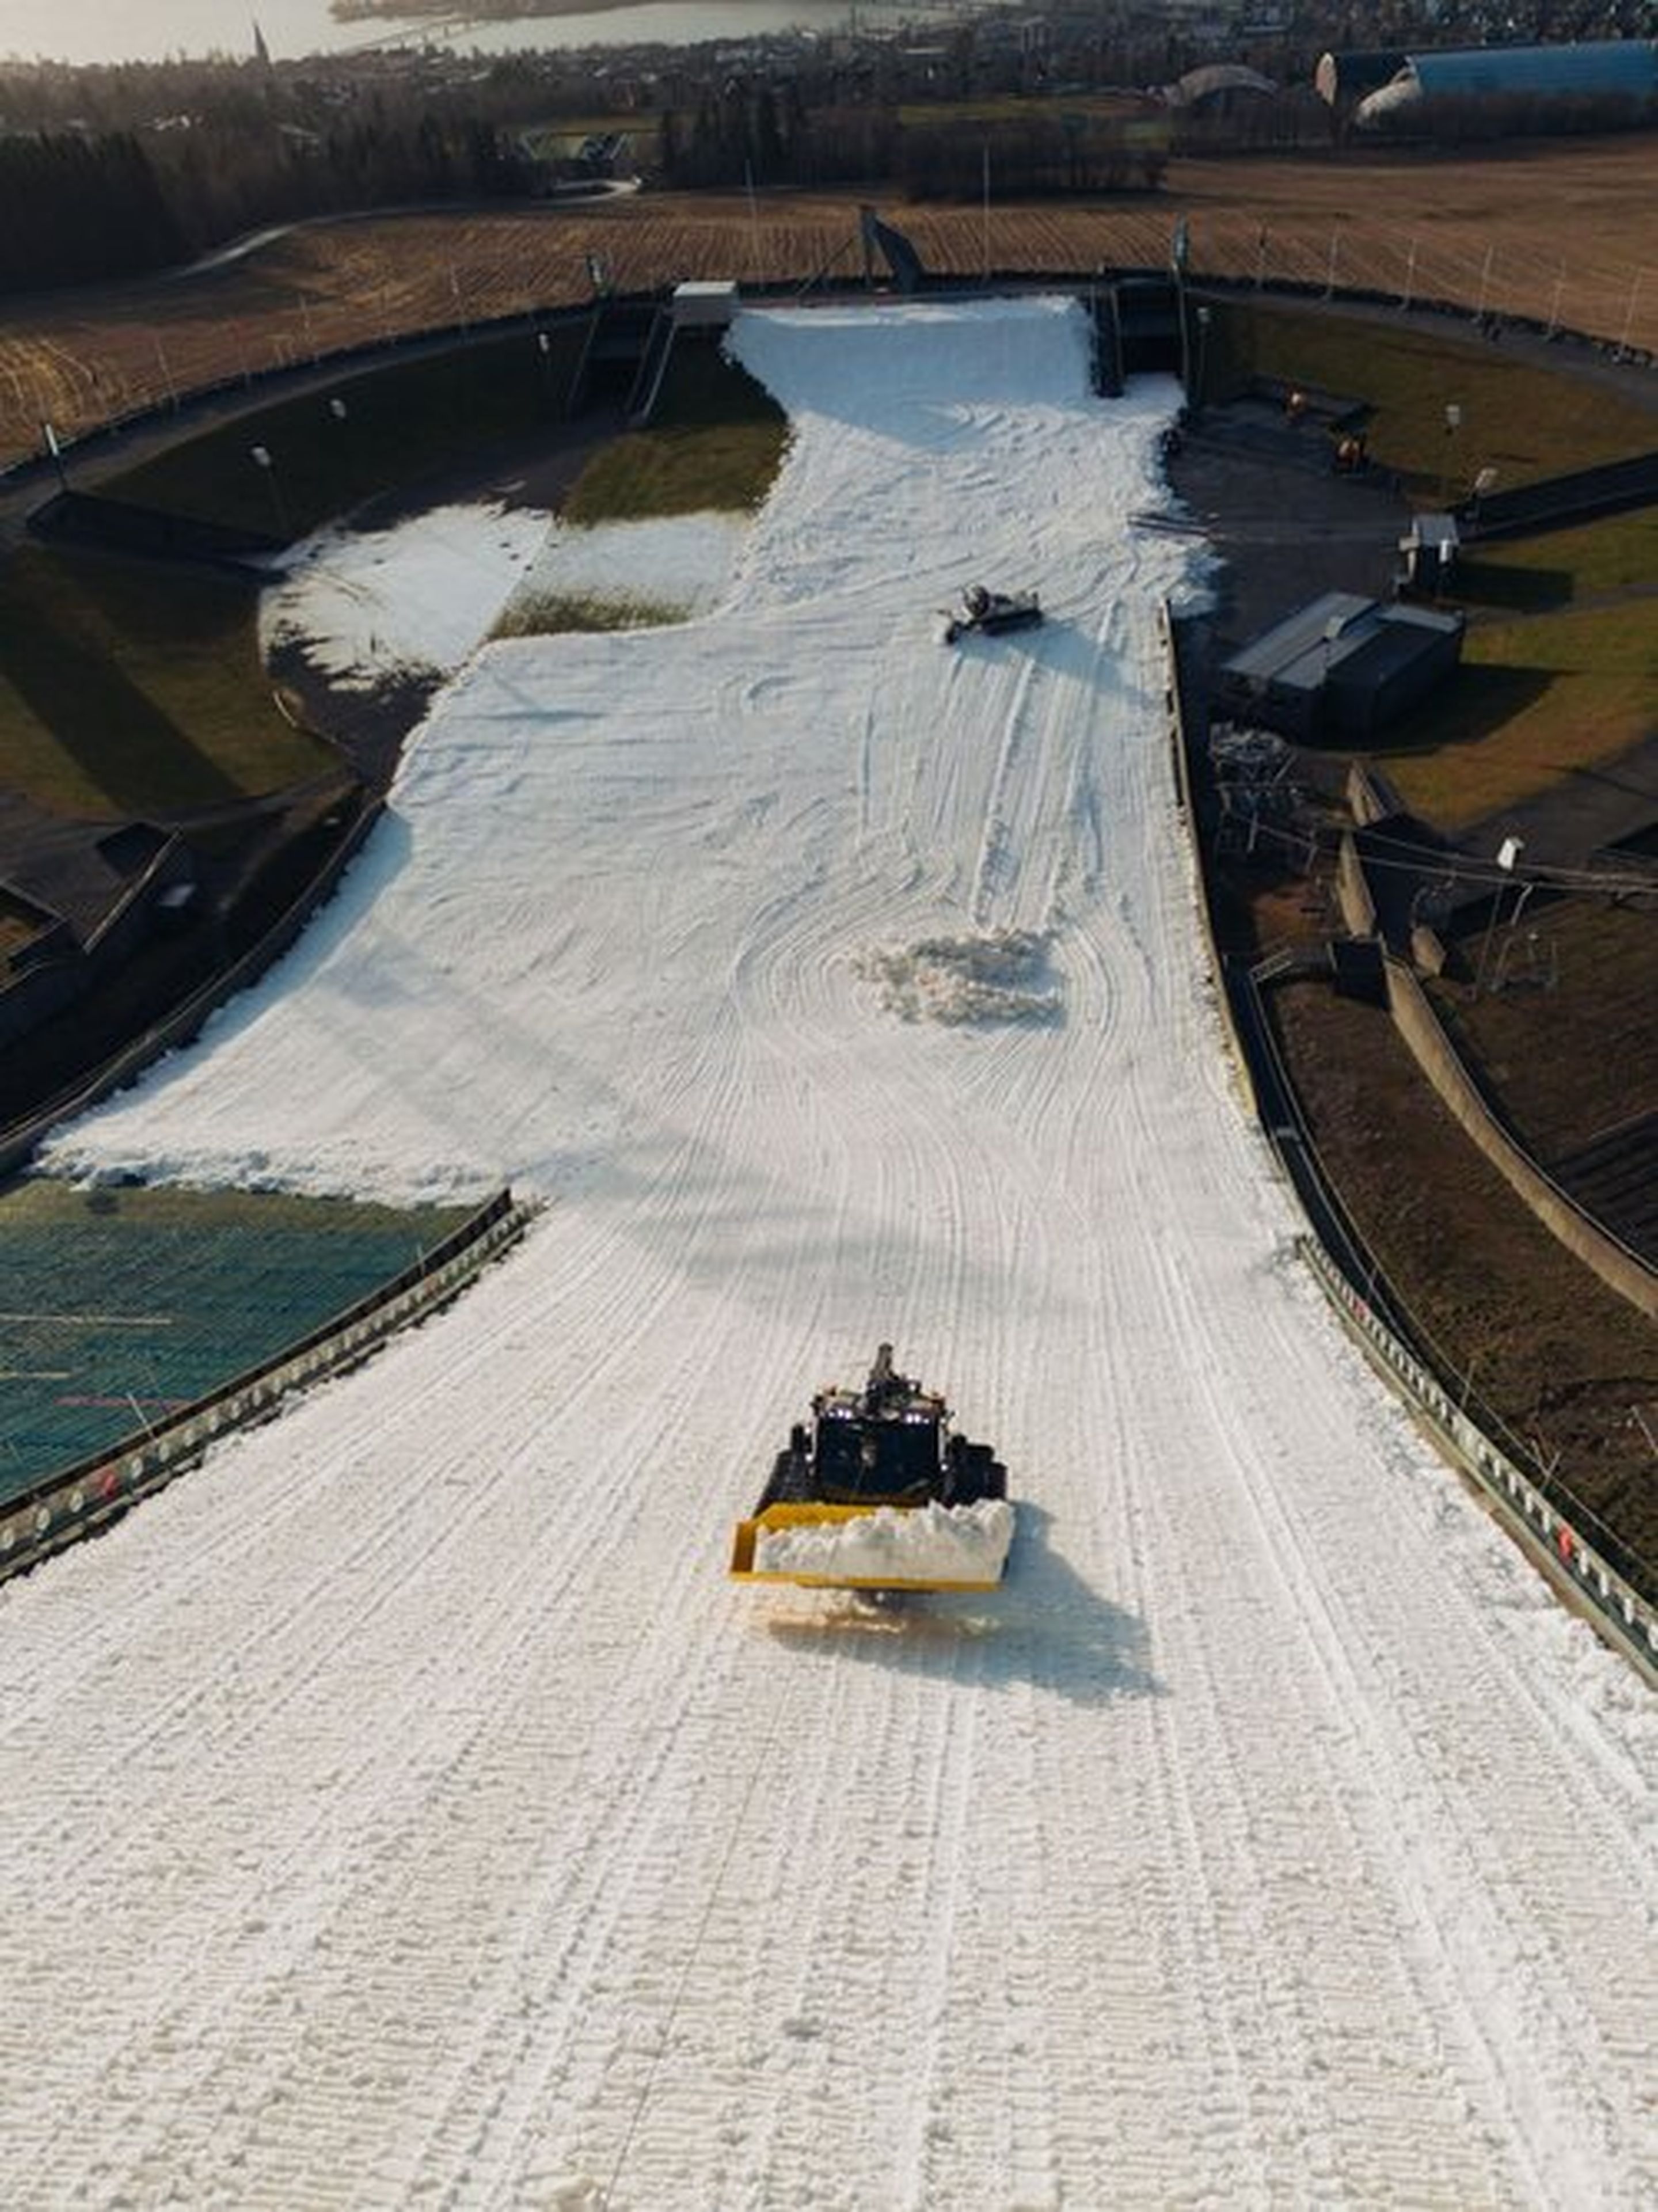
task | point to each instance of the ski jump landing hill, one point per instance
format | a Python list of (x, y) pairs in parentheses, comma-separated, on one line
[(437, 1821)]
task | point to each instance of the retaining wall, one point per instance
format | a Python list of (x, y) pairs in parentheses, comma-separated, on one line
[(88, 1496), (1537, 1514), (1554, 1544), (1434, 1053)]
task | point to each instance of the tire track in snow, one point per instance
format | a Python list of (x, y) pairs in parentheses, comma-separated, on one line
[(636, 1867), (1441, 1897)]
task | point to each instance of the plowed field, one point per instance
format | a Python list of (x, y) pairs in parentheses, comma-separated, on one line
[(1564, 232)]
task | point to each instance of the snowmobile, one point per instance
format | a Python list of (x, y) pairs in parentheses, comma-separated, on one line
[(980, 608), (879, 1493)]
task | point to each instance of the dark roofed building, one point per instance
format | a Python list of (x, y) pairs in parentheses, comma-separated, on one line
[(1340, 668)]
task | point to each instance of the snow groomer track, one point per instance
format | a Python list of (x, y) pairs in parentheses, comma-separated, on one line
[(405, 1809)]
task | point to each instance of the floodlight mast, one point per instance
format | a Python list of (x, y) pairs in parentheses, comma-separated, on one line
[(1508, 857)]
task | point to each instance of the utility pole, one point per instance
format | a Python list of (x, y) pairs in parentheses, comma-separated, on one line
[(987, 192)]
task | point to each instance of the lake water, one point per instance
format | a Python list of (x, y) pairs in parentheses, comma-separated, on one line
[(153, 30)]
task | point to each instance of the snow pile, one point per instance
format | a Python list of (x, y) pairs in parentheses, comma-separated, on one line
[(930, 1544), (415, 600), (656, 571), (994, 977)]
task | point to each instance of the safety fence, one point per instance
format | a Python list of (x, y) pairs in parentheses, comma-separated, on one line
[(1174, 700), (1225, 275), (1535, 1510), (81, 1499), (1549, 1535)]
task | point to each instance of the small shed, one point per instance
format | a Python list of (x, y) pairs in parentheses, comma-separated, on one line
[(1428, 553), (704, 306)]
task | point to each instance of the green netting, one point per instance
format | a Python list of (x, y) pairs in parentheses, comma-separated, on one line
[(117, 1307)]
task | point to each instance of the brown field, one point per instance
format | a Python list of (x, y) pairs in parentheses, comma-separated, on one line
[(1562, 231)]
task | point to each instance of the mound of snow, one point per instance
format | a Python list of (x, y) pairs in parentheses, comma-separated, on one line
[(994, 977), (416, 599), (933, 1543)]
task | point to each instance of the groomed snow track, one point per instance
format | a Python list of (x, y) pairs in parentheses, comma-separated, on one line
[(1271, 1838)]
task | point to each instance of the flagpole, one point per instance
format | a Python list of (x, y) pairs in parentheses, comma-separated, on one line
[(55, 451), (987, 153)]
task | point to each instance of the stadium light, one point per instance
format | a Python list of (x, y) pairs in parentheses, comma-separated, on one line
[(265, 461)]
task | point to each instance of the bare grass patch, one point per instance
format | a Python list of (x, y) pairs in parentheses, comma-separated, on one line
[(132, 689), (714, 441), (1524, 421), (376, 432), (545, 615)]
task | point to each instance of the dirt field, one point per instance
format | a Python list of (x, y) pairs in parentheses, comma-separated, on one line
[(1565, 231)]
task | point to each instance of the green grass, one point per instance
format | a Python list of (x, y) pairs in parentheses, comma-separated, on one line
[(1551, 680), (1563, 567), (547, 615), (1524, 421), (715, 442), (128, 689), (399, 424), (1534, 700)]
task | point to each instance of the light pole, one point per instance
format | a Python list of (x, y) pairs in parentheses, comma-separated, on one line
[(1629, 319), (986, 186), (1452, 424), (1484, 283), (1554, 330), (1507, 855), (1203, 355), (163, 364), (264, 460)]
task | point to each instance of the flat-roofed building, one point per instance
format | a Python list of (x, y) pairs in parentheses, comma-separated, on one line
[(1340, 668)]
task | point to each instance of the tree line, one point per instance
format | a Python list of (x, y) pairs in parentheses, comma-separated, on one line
[(744, 132), (76, 209)]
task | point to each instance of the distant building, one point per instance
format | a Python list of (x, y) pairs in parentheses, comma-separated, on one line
[(1601, 69), (1220, 86)]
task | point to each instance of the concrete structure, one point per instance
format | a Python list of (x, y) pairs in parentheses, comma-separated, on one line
[(1340, 668), (704, 306)]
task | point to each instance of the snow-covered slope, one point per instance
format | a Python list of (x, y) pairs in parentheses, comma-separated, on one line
[(404, 1808)]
